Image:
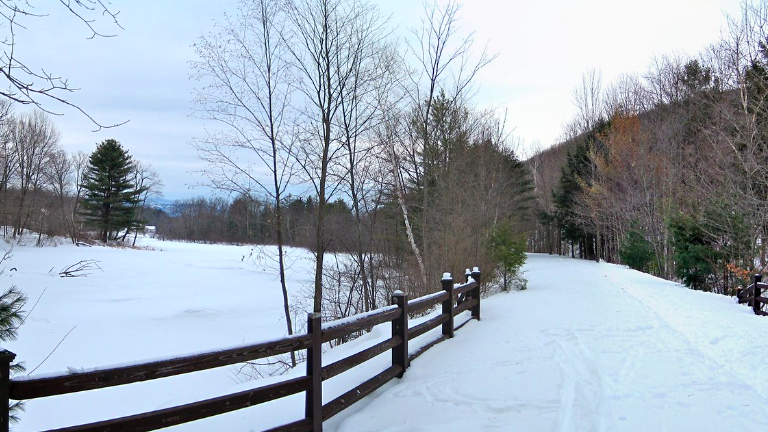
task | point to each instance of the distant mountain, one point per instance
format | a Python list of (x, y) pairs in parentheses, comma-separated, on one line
[(162, 204)]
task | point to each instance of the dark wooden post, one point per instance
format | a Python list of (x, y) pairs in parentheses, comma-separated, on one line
[(400, 328), (476, 293), (6, 357), (447, 283), (313, 408), (464, 296), (756, 291)]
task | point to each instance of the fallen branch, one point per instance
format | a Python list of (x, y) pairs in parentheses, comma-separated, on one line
[(80, 269)]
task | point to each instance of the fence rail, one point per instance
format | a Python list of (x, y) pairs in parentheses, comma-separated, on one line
[(753, 296), (467, 294), (76, 382)]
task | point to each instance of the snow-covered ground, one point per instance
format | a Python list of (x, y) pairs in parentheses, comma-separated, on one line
[(169, 299), (587, 347)]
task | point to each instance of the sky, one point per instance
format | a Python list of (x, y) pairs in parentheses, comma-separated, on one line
[(544, 47)]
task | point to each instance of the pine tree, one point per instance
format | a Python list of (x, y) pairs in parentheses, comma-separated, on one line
[(572, 181), (636, 251), (696, 255), (110, 198), (575, 179), (507, 247), (11, 318)]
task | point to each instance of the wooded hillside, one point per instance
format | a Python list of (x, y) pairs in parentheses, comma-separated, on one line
[(667, 171)]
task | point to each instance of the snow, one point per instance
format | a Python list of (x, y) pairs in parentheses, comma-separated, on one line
[(586, 347), (168, 300), (430, 296), (357, 318)]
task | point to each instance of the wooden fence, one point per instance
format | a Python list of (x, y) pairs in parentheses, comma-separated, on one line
[(310, 384), (753, 295)]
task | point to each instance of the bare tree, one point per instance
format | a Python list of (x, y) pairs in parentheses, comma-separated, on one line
[(147, 180), (35, 138), (246, 88), (79, 165), (8, 157), (664, 80), (588, 99), (740, 61), (372, 79), (60, 177), (33, 85), (328, 44), (625, 97)]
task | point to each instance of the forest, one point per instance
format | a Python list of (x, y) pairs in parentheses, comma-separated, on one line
[(666, 171)]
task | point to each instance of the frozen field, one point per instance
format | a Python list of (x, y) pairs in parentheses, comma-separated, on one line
[(172, 299), (588, 347)]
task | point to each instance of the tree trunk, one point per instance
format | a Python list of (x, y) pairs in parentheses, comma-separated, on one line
[(281, 265), (408, 229)]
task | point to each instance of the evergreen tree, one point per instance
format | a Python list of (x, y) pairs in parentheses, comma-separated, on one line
[(110, 198), (636, 251), (575, 178), (507, 248), (696, 255), (11, 317)]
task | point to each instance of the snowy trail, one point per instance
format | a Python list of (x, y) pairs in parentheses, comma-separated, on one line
[(588, 347)]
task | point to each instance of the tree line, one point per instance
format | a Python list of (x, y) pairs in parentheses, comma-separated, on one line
[(667, 171), (249, 220), (48, 192)]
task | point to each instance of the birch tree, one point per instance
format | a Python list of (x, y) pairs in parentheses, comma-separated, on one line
[(446, 66)]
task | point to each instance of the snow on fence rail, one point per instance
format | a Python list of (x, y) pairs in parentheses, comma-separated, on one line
[(468, 295), (753, 295)]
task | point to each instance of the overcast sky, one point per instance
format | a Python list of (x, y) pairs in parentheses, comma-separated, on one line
[(544, 48)]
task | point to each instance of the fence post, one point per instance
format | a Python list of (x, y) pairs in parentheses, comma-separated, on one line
[(467, 275), (6, 357), (400, 328), (447, 283), (313, 405), (476, 293), (756, 291)]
